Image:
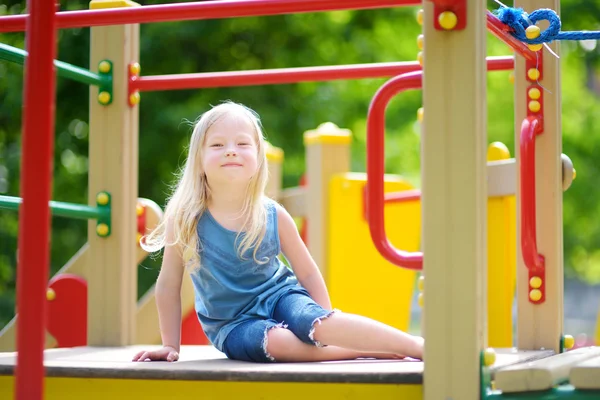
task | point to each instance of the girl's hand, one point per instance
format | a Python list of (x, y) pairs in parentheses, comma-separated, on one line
[(166, 353)]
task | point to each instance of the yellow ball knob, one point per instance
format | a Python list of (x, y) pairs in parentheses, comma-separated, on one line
[(497, 151), (511, 77), (135, 69), (534, 93), (447, 20), (569, 341), (535, 47), (104, 97), (489, 357), (532, 32), (50, 294), (534, 106), (420, 41), (104, 67), (134, 98), (535, 294), (421, 283), (533, 74), (420, 14), (102, 229), (420, 115), (535, 282), (421, 300), (102, 199), (420, 58)]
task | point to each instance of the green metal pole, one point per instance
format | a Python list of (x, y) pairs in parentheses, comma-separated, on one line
[(59, 209), (64, 69)]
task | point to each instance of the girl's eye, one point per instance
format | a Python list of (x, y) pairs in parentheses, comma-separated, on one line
[(216, 145), (244, 144)]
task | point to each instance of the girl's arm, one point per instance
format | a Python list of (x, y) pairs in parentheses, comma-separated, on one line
[(302, 263), (168, 294)]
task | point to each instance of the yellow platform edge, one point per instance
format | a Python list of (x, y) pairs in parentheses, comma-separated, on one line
[(126, 389)]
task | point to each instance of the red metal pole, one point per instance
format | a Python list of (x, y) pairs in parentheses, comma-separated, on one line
[(500, 30), (375, 170), (36, 183), (288, 75), (199, 10)]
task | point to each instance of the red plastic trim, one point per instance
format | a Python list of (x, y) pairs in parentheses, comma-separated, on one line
[(376, 167), (534, 261)]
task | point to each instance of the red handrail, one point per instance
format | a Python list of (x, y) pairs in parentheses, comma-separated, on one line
[(375, 170), (534, 261), (197, 11)]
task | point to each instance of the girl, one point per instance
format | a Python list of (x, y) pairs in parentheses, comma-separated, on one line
[(220, 225)]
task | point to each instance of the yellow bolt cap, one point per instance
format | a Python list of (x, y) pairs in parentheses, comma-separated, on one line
[(448, 20), (102, 229), (532, 32), (104, 67), (135, 69), (535, 47), (420, 41), (420, 16), (534, 93), (574, 173), (50, 294), (139, 238), (421, 300), (489, 357), (139, 209), (569, 341), (420, 115), (535, 294), (535, 282), (534, 106), (511, 77), (533, 74), (104, 97), (102, 199), (134, 99), (420, 58), (421, 283)]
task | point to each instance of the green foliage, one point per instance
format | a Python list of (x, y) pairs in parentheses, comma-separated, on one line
[(287, 111)]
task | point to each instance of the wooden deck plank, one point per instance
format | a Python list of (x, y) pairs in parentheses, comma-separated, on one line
[(586, 375), (206, 363), (542, 374)]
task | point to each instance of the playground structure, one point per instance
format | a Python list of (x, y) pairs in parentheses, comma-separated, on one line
[(455, 190)]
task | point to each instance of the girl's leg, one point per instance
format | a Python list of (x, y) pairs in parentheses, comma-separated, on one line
[(284, 346), (364, 334)]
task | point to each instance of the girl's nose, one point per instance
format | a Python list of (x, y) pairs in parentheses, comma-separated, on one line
[(230, 152)]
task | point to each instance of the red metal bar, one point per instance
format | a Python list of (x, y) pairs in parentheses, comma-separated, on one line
[(36, 184), (534, 261), (375, 170), (198, 11), (501, 31), (287, 75)]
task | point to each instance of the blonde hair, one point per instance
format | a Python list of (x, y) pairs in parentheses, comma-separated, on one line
[(191, 193)]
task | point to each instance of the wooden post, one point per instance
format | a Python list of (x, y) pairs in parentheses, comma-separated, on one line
[(113, 167), (454, 198), (327, 154), (541, 325), (275, 165)]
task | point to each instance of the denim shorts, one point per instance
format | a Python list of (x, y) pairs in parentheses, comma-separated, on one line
[(295, 310)]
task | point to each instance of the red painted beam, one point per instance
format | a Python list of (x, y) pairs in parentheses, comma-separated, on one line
[(198, 11)]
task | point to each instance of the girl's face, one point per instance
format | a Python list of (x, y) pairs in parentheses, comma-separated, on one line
[(230, 151)]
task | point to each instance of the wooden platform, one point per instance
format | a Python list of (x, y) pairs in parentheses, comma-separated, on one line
[(203, 372), (206, 363)]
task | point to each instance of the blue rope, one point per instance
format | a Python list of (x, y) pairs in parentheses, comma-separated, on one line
[(519, 20)]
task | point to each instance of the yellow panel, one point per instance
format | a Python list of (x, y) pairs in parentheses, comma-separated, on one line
[(501, 270), (127, 389), (360, 280)]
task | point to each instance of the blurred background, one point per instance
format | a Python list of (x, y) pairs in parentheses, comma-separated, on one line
[(332, 38)]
